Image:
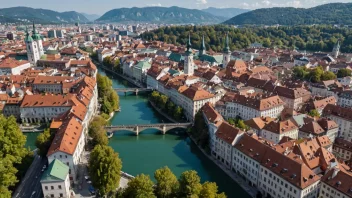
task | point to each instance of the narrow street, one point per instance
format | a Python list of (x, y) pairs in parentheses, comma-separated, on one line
[(30, 185)]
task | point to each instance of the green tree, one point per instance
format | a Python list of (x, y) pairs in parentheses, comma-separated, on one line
[(162, 101), (315, 74), (314, 113), (190, 185), (12, 152), (140, 187), (231, 121), (343, 73), (210, 190), (117, 65), (166, 183), (178, 112), (170, 107), (104, 169), (240, 124), (328, 76), (43, 142), (155, 97), (114, 99), (300, 72), (100, 138), (106, 106)]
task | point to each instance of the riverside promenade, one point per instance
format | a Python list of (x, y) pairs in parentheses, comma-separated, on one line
[(252, 191)]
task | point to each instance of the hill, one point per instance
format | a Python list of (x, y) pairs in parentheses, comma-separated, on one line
[(333, 13), (25, 14), (171, 15), (225, 12)]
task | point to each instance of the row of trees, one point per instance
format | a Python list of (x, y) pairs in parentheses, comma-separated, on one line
[(109, 99), (165, 104), (313, 75), (111, 63), (168, 186), (312, 38), (14, 157)]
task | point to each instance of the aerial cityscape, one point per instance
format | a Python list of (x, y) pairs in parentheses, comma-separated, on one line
[(176, 99)]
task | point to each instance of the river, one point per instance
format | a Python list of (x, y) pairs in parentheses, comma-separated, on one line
[(151, 150)]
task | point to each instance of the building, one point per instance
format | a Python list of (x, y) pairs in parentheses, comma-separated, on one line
[(140, 71), (250, 106), (52, 34), (276, 130), (213, 120), (342, 149), (11, 66), (336, 183), (53, 84), (68, 145), (345, 99), (188, 62), (226, 137), (343, 117), (319, 128), (55, 180)]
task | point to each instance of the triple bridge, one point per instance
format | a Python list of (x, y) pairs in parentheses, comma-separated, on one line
[(163, 127), (134, 90)]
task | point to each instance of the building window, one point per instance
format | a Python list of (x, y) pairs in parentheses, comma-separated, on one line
[(52, 195), (61, 195), (46, 187), (59, 186), (52, 187)]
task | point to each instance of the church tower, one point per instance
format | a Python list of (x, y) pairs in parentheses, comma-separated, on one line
[(38, 39), (188, 65), (336, 50), (226, 53), (202, 50), (32, 49)]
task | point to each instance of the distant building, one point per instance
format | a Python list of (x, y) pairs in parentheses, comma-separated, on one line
[(52, 34), (11, 66), (11, 36)]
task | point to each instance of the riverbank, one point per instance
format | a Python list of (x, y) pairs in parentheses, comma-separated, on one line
[(241, 182)]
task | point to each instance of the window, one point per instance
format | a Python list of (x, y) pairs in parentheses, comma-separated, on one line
[(46, 187), (61, 195), (52, 195), (52, 187), (59, 186)]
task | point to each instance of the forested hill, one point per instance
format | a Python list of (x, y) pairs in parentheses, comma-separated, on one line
[(312, 38), (333, 13), (228, 13), (171, 15), (25, 14)]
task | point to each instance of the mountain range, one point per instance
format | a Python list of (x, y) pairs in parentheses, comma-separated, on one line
[(26, 14), (225, 12), (174, 15), (91, 17), (333, 13)]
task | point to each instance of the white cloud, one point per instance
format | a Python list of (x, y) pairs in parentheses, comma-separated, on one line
[(202, 2), (154, 5), (266, 2)]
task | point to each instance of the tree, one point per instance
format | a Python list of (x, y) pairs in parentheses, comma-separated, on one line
[(97, 123), (43, 142), (343, 73), (155, 97), (328, 76), (162, 101), (100, 138), (140, 187), (104, 169), (117, 65), (178, 111), (300, 72), (106, 106), (166, 183), (113, 98), (170, 107), (189, 184), (315, 74), (314, 113), (240, 124), (210, 190), (12, 152)]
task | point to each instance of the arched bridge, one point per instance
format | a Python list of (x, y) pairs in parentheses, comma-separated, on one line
[(135, 90), (164, 127)]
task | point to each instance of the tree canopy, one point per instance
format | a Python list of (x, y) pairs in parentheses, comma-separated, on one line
[(314, 75), (140, 187), (104, 169), (43, 142), (312, 38), (12, 152), (166, 183), (107, 95), (343, 73)]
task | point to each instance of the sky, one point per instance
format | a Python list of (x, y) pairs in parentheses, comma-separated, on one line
[(102, 6)]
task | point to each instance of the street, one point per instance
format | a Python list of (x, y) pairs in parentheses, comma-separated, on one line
[(30, 185)]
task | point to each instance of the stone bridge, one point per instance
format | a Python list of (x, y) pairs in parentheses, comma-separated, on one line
[(163, 127), (135, 90)]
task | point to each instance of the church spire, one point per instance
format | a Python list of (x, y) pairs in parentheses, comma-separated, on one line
[(227, 47), (202, 49), (189, 50), (36, 36)]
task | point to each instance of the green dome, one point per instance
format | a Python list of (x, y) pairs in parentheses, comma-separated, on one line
[(28, 37), (36, 37)]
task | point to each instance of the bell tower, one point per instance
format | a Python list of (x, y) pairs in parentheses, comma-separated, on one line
[(189, 65), (226, 53)]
